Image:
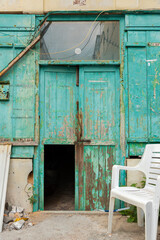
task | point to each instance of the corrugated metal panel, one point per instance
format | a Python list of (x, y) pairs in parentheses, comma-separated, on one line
[(5, 152)]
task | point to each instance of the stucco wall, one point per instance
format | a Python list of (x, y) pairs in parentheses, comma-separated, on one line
[(41, 6), (20, 182)]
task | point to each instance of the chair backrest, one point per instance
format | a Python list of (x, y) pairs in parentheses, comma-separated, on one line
[(150, 164)]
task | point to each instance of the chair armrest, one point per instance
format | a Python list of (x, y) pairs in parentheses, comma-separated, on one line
[(115, 173)]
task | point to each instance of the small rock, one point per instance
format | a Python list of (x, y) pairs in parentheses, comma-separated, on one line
[(30, 224), (14, 209), (20, 209), (7, 219), (18, 225)]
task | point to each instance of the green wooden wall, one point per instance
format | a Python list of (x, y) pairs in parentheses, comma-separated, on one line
[(142, 82), (17, 118)]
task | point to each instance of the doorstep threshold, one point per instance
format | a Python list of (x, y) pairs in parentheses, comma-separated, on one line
[(75, 212)]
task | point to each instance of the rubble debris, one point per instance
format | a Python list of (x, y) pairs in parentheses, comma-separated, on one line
[(18, 225), (11, 215), (18, 219), (14, 209), (15, 218), (20, 209), (30, 224)]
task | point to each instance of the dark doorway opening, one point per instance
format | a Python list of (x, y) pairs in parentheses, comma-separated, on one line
[(59, 177)]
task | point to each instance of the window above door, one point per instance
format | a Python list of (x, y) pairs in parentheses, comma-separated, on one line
[(83, 40)]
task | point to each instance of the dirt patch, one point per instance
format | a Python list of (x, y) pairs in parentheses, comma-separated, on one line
[(71, 226)]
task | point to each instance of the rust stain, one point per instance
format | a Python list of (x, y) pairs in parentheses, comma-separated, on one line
[(68, 127), (79, 166)]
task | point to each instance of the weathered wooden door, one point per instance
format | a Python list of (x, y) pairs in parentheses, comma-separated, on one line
[(82, 108), (143, 113), (98, 147), (58, 105)]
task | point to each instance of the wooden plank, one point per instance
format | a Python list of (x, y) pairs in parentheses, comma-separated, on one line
[(148, 20), (20, 22), (102, 188), (19, 143), (137, 107), (5, 152), (17, 58), (153, 70), (80, 160), (79, 62)]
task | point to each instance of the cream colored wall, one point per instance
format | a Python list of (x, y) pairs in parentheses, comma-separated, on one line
[(134, 176), (19, 188), (42, 6)]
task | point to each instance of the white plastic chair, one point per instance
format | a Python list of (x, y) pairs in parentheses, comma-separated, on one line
[(146, 199)]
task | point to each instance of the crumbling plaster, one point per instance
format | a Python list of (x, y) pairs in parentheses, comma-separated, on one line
[(19, 188)]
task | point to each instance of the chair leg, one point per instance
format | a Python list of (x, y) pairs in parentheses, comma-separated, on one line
[(155, 224), (149, 222), (140, 217), (111, 208)]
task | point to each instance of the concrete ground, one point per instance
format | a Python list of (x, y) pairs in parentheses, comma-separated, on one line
[(75, 226)]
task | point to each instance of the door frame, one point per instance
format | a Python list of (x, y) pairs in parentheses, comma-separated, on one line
[(39, 151)]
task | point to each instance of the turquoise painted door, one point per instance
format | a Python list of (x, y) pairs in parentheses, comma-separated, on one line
[(98, 148), (83, 110), (143, 115), (58, 105)]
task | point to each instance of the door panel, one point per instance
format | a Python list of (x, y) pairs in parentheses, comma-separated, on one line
[(137, 86), (98, 162), (59, 96), (99, 115), (98, 104), (143, 115), (154, 84)]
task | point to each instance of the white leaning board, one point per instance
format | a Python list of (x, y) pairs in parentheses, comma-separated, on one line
[(5, 152)]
